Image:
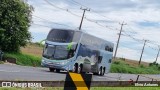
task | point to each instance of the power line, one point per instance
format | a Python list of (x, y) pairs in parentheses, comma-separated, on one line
[(73, 14), (105, 26), (51, 21), (77, 3), (133, 31), (138, 40), (77, 15), (55, 5), (96, 22), (127, 35), (41, 25), (67, 10), (127, 46)]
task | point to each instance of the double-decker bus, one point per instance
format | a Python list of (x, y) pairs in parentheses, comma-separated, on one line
[(76, 51)]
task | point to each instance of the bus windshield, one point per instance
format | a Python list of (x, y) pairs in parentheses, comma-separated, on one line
[(63, 36), (58, 52)]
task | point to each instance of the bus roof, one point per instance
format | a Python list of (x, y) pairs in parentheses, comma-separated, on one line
[(85, 33)]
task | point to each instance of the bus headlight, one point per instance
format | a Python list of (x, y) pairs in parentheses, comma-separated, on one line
[(62, 63)]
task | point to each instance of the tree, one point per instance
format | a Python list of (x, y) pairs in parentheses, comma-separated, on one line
[(15, 19)]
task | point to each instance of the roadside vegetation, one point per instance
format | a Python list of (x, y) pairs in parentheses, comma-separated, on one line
[(23, 59), (120, 66), (15, 20), (1, 62), (28, 56)]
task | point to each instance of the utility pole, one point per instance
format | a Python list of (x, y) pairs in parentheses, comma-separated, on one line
[(84, 10), (122, 24), (142, 52), (157, 54)]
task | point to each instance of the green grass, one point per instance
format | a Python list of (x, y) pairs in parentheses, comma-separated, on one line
[(24, 59), (122, 67), (93, 88)]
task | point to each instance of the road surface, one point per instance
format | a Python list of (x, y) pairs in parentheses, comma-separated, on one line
[(25, 73)]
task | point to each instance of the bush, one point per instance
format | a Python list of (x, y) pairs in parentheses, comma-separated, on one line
[(154, 63), (123, 59), (117, 62), (150, 64), (141, 66), (122, 67), (1, 62), (159, 68)]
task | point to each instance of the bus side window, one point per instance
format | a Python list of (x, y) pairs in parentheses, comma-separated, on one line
[(110, 60), (107, 48), (111, 49), (99, 59)]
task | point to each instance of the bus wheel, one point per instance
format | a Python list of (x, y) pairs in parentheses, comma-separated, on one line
[(57, 70), (75, 68), (51, 69), (95, 73), (103, 71), (100, 71), (80, 68)]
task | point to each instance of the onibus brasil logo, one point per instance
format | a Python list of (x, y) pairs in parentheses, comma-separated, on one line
[(21, 84)]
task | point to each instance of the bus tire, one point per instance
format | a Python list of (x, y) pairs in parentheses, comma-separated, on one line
[(95, 73), (57, 70), (51, 69), (100, 71), (80, 68), (75, 68), (103, 71)]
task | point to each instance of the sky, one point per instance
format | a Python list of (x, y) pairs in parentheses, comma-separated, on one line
[(142, 19)]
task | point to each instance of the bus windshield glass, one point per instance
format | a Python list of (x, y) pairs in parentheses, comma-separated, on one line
[(63, 36), (58, 52), (61, 52)]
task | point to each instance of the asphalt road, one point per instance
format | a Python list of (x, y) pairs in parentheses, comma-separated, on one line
[(25, 73)]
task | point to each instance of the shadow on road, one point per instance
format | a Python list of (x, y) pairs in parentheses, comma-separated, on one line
[(61, 72)]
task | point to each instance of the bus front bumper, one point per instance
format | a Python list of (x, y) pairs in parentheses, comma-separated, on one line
[(57, 65)]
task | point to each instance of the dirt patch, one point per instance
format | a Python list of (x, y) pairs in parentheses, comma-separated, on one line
[(132, 62), (32, 49)]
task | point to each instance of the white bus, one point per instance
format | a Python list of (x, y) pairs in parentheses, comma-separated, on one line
[(76, 51)]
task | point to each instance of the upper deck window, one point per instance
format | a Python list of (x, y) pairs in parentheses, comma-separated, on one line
[(110, 49), (64, 36)]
